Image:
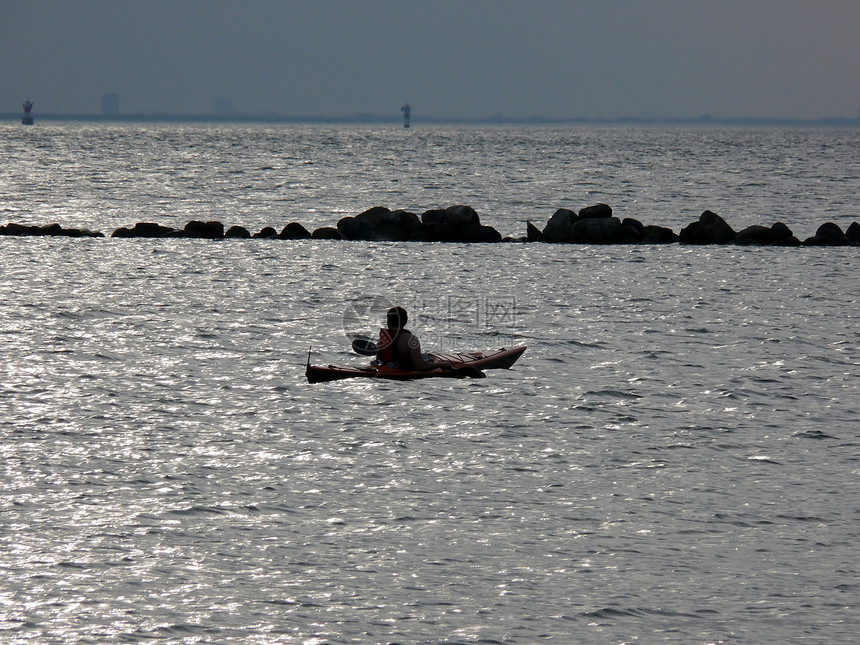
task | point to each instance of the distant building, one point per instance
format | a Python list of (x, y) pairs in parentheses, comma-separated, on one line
[(27, 119), (407, 114), (110, 104)]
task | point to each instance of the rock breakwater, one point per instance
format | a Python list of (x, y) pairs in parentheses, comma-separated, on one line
[(594, 224)]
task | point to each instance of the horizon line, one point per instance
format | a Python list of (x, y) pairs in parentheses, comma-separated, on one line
[(362, 117)]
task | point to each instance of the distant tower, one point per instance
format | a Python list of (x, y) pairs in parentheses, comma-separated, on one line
[(407, 114), (27, 119), (110, 104)]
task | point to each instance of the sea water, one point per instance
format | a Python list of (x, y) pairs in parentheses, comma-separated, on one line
[(675, 458)]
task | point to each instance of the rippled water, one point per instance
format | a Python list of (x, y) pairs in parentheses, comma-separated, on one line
[(674, 459), (107, 176)]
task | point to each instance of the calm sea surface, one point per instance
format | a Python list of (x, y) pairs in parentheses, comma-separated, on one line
[(676, 457)]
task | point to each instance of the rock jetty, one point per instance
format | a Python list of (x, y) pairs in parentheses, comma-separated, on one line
[(594, 224), (51, 230)]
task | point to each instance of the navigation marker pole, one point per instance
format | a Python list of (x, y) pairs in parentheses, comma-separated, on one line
[(27, 119)]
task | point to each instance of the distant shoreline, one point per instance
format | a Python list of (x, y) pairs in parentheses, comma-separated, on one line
[(372, 119)]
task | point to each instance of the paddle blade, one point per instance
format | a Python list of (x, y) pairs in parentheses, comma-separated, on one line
[(364, 347)]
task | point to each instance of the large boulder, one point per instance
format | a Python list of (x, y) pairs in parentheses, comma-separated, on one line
[(25, 230), (631, 232), (479, 234), (327, 233), (455, 224), (453, 217), (294, 231), (379, 224), (14, 229), (49, 230), (710, 229), (598, 211), (828, 234), (422, 235), (593, 230), (237, 232), (777, 235), (365, 226), (352, 228), (781, 235), (435, 231), (533, 233), (265, 233), (658, 235), (144, 229), (398, 226), (557, 229), (77, 232), (755, 235), (204, 230)]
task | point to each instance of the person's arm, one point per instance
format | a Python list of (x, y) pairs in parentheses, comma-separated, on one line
[(379, 343), (414, 346)]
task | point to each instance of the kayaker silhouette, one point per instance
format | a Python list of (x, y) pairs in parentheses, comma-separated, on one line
[(398, 347)]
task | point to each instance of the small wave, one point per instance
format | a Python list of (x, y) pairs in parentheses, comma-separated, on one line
[(200, 510), (761, 379), (846, 587), (182, 629), (655, 354), (764, 459), (612, 612), (729, 519), (634, 612), (577, 343), (615, 394), (813, 434), (105, 357)]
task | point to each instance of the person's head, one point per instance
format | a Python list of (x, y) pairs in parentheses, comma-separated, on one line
[(396, 318)]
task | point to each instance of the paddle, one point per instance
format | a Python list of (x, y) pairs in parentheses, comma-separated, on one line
[(364, 346)]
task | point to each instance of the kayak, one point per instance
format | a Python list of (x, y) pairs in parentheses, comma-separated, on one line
[(320, 374), (465, 365)]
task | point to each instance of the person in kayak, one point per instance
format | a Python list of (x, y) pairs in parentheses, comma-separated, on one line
[(398, 347)]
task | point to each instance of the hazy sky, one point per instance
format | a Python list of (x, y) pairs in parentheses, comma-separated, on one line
[(470, 58)]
